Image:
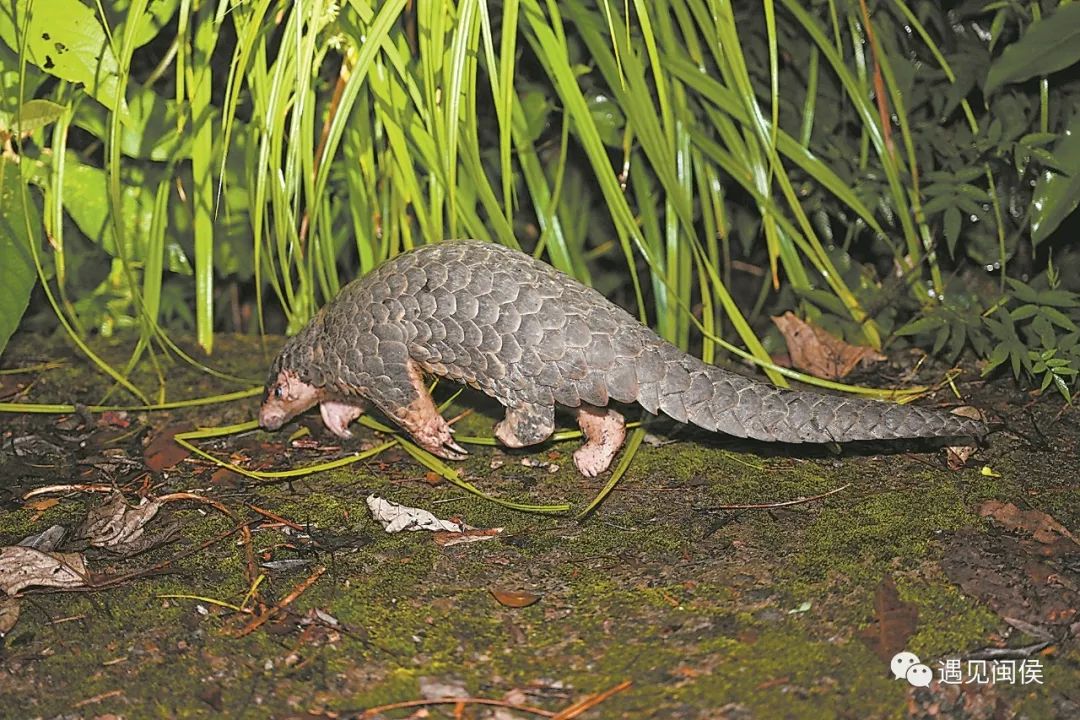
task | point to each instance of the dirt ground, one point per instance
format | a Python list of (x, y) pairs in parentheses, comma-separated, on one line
[(680, 603)]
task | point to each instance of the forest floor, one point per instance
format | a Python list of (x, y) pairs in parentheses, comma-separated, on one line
[(673, 600)]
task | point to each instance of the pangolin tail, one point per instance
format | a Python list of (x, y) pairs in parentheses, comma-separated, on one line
[(690, 390)]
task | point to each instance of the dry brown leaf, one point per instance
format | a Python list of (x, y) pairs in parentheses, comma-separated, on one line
[(113, 418), (23, 567), (894, 622), (163, 452), (956, 456), (1040, 526), (116, 525), (41, 505), (447, 539), (9, 614), (815, 351), (1016, 577), (514, 598)]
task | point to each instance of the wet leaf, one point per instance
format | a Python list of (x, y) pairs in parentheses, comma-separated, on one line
[(1050, 44), (1057, 194), (815, 351), (23, 567), (514, 599)]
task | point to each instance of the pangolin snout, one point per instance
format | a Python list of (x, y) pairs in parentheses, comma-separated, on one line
[(271, 418)]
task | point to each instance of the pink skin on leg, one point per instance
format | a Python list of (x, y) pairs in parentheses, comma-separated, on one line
[(337, 415), (605, 431), (421, 419)]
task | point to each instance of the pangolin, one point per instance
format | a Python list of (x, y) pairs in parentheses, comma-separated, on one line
[(532, 337)]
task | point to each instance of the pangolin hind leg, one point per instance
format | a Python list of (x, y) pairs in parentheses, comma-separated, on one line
[(526, 424), (408, 403), (605, 431)]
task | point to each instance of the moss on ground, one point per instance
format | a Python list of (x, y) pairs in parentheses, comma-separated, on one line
[(711, 611)]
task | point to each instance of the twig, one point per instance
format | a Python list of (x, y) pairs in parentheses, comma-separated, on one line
[(78, 487), (280, 606), (593, 700), (276, 518), (786, 503), (98, 698)]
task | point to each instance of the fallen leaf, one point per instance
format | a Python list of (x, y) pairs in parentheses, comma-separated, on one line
[(956, 456), (514, 599), (815, 351), (118, 525), (9, 387), (1015, 578), (113, 418), (395, 517), (23, 567), (894, 622), (45, 540), (446, 539), (286, 565), (1040, 526), (9, 614), (224, 477), (162, 451)]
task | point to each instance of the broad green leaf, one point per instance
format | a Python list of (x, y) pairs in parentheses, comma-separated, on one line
[(17, 272), (151, 131), (158, 14), (921, 325), (9, 79), (1057, 298), (33, 115), (1024, 312), (1049, 45), (65, 39), (1057, 194), (86, 201)]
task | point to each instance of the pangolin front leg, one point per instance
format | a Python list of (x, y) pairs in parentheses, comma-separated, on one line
[(337, 414), (605, 431), (417, 415)]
